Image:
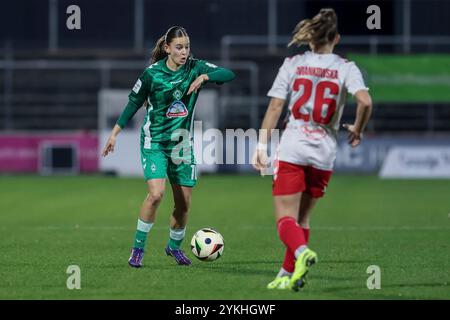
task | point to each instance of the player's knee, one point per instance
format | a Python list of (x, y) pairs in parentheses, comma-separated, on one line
[(155, 197)]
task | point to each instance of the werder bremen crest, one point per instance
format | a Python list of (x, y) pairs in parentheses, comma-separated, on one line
[(177, 94), (177, 109)]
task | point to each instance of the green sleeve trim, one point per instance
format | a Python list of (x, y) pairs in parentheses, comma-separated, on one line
[(221, 75), (130, 109)]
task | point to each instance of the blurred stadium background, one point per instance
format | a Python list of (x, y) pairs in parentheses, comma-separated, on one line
[(62, 90), (69, 86)]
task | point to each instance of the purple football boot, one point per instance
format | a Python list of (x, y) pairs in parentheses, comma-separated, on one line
[(179, 256), (137, 254)]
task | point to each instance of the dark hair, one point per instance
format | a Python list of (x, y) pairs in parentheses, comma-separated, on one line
[(319, 31), (158, 51)]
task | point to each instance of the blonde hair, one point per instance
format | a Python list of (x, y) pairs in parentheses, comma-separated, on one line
[(319, 31)]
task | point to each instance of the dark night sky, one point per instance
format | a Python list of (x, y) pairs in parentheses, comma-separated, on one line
[(25, 22)]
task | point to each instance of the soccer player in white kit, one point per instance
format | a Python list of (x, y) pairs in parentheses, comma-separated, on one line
[(316, 83)]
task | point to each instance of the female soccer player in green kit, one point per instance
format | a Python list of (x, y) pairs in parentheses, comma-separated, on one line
[(170, 88)]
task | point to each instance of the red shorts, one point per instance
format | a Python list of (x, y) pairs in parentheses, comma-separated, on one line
[(292, 178)]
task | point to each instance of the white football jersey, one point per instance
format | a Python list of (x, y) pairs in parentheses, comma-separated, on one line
[(316, 85)]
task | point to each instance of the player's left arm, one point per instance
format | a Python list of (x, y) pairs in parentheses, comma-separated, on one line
[(210, 73)]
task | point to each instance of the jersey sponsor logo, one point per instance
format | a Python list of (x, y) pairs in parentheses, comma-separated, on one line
[(177, 110), (137, 86), (313, 132)]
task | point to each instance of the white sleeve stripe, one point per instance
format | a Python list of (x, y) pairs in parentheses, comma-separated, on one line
[(355, 90)]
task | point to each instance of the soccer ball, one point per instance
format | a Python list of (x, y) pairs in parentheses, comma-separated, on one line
[(207, 244)]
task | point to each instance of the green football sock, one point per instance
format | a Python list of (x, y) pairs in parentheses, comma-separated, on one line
[(142, 231), (176, 236)]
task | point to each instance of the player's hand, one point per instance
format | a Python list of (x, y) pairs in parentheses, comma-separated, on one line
[(197, 83), (354, 137), (260, 160), (109, 147)]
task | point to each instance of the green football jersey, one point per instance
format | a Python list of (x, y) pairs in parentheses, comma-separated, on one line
[(169, 107)]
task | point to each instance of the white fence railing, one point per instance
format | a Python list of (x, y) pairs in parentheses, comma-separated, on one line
[(372, 42)]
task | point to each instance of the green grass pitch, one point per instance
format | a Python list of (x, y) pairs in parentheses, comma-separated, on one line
[(49, 223)]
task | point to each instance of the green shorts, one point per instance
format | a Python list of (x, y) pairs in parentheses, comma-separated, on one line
[(167, 159)]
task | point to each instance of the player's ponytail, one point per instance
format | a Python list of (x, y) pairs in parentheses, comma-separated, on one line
[(158, 52), (319, 31)]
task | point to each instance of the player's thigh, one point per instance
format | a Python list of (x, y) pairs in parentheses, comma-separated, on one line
[(156, 188), (287, 205)]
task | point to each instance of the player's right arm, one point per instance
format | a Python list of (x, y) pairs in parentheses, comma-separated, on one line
[(136, 99), (260, 158), (278, 94), (363, 112), (110, 144), (355, 85)]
